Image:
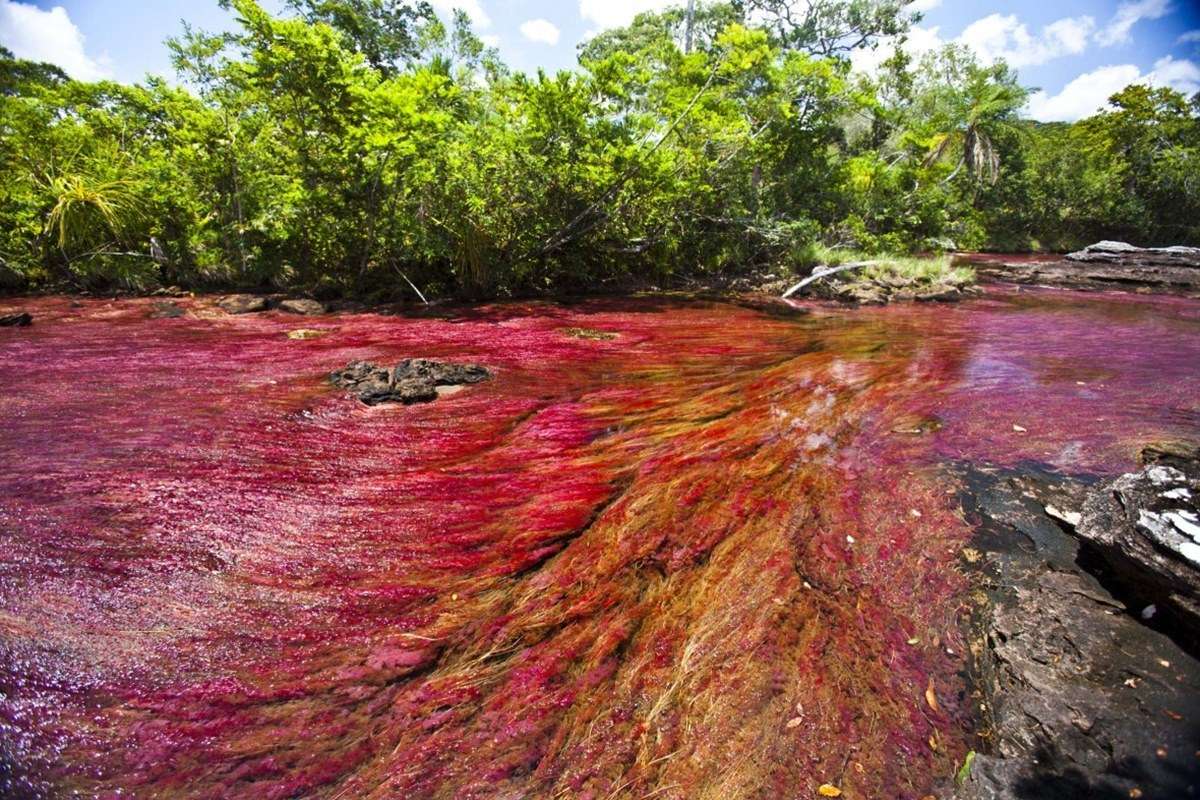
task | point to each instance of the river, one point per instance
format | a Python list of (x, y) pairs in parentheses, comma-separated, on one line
[(698, 552)]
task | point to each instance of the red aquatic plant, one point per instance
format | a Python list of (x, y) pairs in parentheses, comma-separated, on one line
[(708, 553)]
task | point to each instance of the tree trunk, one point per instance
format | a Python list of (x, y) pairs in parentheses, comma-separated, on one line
[(688, 30)]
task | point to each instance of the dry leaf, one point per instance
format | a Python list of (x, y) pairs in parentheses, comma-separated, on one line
[(914, 641), (1019, 429), (931, 696), (795, 722), (829, 790)]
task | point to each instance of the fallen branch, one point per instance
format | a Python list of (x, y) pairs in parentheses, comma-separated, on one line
[(413, 285), (824, 272)]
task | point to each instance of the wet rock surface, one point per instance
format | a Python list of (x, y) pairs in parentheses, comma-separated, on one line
[(411, 381), (1079, 697), (19, 320), (242, 304), (1109, 265)]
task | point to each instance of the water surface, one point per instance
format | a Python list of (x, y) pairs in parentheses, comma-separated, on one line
[(713, 556)]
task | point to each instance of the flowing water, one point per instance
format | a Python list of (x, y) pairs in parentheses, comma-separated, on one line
[(711, 556)]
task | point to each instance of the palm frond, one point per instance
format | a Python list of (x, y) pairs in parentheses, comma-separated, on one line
[(84, 207)]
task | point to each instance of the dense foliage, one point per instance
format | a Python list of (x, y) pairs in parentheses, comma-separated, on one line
[(359, 146)]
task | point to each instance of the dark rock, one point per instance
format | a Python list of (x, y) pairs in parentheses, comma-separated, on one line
[(301, 305), (412, 381), (1146, 526), (440, 374), (19, 320), (242, 304), (359, 375), (1077, 696)]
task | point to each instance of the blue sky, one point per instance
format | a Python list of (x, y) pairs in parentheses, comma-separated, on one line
[(1076, 52)]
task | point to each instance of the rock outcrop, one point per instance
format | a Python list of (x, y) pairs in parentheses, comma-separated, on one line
[(19, 320), (1109, 265), (242, 304), (302, 306), (1146, 526), (411, 381), (1077, 695), (1127, 256), (886, 290)]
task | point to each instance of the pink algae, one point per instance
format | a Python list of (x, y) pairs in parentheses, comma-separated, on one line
[(709, 557)]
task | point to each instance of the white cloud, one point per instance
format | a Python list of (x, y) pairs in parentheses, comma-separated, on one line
[(614, 13), (50, 36), (1189, 37), (1177, 73), (491, 40), (924, 5), (1089, 92), (1004, 36), (541, 30), (473, 8), (1083, 96), (920, 41), (992, 37), (1128, 15)]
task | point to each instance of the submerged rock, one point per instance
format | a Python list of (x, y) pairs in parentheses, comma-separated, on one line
[(1146, 526), (19, 320), (165, 309), (305, 334), (412, 381), (242, 304), (300, 305)]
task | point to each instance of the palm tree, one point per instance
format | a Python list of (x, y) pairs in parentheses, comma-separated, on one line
[(975, 110)]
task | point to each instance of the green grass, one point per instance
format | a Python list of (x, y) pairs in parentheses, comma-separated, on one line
[(923, 270)]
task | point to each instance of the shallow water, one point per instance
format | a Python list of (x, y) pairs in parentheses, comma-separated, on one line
[(713, 556)]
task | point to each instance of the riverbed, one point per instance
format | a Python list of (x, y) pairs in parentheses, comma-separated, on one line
[(674, 549)]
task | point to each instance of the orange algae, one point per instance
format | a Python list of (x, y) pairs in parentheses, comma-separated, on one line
[(696, 559)]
